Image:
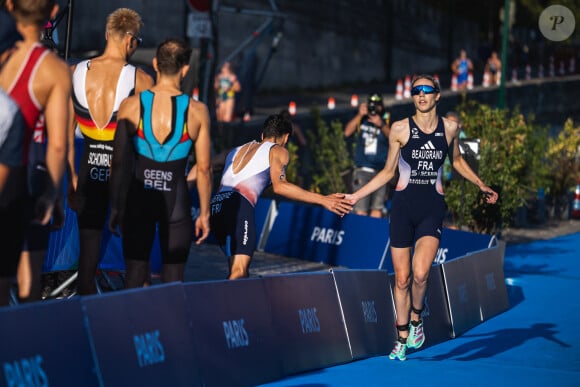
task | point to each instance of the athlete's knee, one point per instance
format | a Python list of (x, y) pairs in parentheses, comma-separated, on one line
[(420, 277), (402, 282)]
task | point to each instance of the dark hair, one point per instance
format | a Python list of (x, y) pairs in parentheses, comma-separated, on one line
[(427, 77), (172, 55), (32, 11), (276, 126)]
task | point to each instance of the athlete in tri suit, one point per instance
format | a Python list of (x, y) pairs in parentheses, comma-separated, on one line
[(99, 86), (461, 67), (156, 131), (248, 170), (418, 146), (38, 81)]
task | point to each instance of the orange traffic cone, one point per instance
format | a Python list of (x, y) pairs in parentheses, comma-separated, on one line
[(454, 86), (486, 79), (354, 100), (407, 90), (247, 117), (331, 103), (436, 77), (469, 80), (399, 93), (292, 108), (195, 94)]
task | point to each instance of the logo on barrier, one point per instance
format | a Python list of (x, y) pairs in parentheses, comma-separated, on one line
[(236, 334), (557, 23), (26, 372), (441, 255), (327, 235), (309, 320), (490, 281), (149, 349), (369, 311)]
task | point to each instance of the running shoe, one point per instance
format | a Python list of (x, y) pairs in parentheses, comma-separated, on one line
[(416, 336), (399, 351)]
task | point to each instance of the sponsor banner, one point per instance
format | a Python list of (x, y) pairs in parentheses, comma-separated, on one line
[(45, 344), (142, 337), (307, 321), (453, 244), (462, 293), (367, 307), (315, 234), (232, 329), (491, 287), (436, 320)]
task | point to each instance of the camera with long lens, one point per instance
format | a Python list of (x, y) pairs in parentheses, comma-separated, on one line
[(373, 108)]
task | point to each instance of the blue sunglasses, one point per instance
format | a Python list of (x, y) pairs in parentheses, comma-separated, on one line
[(426, 89)]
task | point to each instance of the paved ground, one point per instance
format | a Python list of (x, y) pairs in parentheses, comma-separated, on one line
[(207, 262)]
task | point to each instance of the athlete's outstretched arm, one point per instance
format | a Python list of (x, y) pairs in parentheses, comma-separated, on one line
[(279, 159)]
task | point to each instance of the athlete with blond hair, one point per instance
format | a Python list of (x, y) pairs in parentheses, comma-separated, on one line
[(99, 86)]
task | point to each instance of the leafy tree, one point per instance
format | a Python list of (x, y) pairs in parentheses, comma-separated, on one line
[(331, 159), (563, 164), (293, 165), (510, 162)]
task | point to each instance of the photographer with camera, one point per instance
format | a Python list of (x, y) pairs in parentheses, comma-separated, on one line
[(371, 126)]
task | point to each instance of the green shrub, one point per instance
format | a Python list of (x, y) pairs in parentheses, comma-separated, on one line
[(511, 162), (331, 159)]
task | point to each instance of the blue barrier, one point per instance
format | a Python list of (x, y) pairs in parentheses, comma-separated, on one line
[(234, 333), (307, 321), (142, 337), (45, 344), (232, 328), (315, 234), (367, 307)]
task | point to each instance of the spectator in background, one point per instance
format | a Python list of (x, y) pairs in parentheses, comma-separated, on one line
[(371, 127), (461, 67), (99, 86), (226, 85), (493, 67)]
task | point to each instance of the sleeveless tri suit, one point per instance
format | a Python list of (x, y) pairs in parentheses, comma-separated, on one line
[(418, 206), (15, 202), (94, 169), (158, 194), (232, 207)]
